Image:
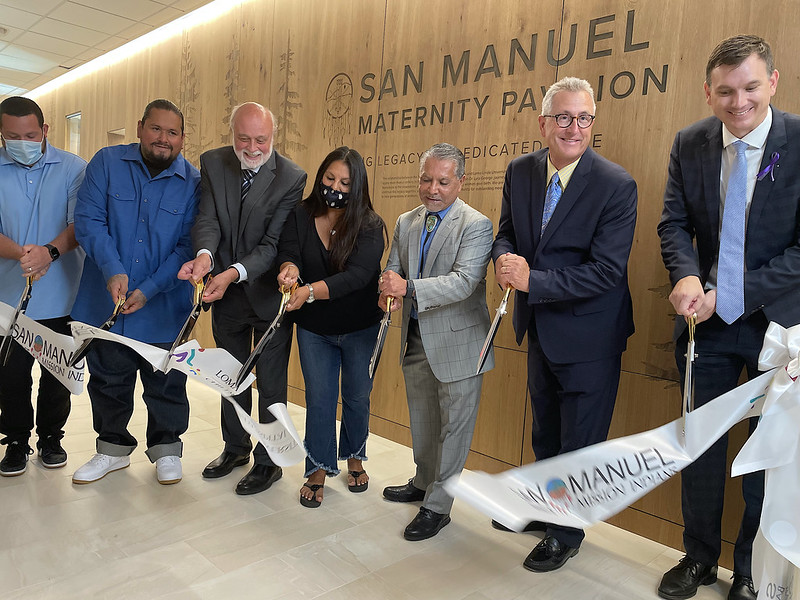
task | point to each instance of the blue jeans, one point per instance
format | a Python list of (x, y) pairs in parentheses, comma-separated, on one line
[(322, 359)]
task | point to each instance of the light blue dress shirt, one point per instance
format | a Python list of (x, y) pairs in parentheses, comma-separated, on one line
[(36, 204), (131, 223)]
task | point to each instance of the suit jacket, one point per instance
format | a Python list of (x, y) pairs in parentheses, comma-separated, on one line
[(579, 296), (248, 232), (451, 295), (772, 240)]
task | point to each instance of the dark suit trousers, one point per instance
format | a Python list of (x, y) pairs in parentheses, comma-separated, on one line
[(16, 382), (722, 352), (572, 407), (236, 328)]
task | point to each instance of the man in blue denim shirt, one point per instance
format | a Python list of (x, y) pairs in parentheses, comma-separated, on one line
[(133, 217)]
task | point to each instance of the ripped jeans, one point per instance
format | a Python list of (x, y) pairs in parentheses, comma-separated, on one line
[(323, 358)]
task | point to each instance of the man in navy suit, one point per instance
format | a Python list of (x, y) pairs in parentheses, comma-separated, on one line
[(729, 238), (565, 233)]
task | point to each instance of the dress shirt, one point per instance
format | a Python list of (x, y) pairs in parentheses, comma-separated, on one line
[(564, 174), (756, 142), (131, 223), (36, 205)]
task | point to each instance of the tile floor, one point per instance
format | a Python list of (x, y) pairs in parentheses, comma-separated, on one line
[(128, 537)]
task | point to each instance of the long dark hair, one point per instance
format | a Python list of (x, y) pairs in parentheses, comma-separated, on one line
[(358, 212)]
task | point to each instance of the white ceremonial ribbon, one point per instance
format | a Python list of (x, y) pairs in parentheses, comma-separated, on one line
[(217, 369), (52, 350), (592, 484), (774, 447)]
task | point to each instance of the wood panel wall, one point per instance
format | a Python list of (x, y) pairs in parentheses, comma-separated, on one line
[(392, 77)]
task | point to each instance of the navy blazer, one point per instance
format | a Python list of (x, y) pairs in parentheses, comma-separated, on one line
[(772, 241), (579, 296)]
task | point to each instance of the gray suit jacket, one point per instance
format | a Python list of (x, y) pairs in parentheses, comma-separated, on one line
[(248, 232), (451, 295)]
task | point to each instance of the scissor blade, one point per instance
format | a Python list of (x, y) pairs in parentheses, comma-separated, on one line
[(258, 350), (5, 346), (489, 341), (80, 353), (379, 342)]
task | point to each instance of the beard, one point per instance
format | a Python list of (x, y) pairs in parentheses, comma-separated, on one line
[(253, 162)]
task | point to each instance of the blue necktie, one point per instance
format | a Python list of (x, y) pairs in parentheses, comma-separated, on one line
[(730, 265), (247, 181), (551, 199), (431, 222)]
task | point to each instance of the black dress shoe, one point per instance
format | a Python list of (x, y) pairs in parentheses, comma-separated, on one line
[(682, 580), (532, 526), (224, 464), (742, 588), (548, 555), (425, 525), (258, 479), (404, 493)]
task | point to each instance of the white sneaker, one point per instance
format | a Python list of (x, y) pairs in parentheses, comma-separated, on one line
[(168, 470), (99, 466)]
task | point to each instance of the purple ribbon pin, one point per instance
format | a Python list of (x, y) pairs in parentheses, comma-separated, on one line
[(770, 168)]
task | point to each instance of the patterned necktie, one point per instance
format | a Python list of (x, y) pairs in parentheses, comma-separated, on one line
[(247, 181), (730, 266), (431, 221), (551, 199)]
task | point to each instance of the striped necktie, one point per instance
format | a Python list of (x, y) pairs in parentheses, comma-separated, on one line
[(730, 265), (551, 198), (247, 181)]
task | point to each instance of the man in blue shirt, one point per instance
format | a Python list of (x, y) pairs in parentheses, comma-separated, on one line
[(38, 187), (133, 217)]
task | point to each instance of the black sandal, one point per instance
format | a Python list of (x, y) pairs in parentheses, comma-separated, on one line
[(313, 502), (357, 487)]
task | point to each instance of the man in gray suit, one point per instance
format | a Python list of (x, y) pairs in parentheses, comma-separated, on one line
[(247, 192), (438, 265)]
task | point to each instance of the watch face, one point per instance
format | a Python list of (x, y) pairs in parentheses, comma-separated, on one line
[(54, 253)]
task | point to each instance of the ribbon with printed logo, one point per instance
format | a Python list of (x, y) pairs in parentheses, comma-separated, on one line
[(52, 350), (217, 369), (592, 484)]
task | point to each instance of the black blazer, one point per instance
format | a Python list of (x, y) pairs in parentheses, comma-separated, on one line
[(247, 233), (579, 294), (691, 216)]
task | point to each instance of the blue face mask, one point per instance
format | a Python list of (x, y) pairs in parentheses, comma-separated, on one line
[(24, 152)]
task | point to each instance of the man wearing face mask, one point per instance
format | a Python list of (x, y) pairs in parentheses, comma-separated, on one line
[(248, 191), (38, 187)]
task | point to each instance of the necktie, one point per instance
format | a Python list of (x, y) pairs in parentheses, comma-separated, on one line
[(730, 266), (551, 198), (247, 181), (431, 221)]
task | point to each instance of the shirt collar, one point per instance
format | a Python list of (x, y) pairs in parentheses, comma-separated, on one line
[(564, 173), (755, 139)]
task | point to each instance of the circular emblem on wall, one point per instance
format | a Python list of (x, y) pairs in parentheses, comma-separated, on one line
[(338, 108)]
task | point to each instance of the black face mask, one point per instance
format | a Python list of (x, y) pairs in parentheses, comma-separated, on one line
[(333, 198)]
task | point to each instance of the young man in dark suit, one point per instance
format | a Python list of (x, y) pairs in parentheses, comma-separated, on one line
[(729, 238), (566, 229)]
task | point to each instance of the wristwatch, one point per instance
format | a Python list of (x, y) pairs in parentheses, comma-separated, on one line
[(310, 293), (54, 253)]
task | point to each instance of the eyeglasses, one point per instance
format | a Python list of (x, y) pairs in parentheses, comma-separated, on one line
[(564, 120)]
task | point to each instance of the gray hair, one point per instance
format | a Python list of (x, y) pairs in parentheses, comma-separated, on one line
[(444, 152), (265, 111), (567, 84)]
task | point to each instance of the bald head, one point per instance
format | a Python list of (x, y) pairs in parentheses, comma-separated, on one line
[(253, 127)]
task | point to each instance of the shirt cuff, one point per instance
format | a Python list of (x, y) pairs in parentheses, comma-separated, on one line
[(206, 251), (242, 271)]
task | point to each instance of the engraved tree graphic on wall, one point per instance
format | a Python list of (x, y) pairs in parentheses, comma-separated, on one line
[(287, 139), (188, 101), (231, 89)]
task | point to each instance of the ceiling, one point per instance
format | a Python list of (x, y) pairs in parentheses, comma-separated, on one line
[(42, 39)]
